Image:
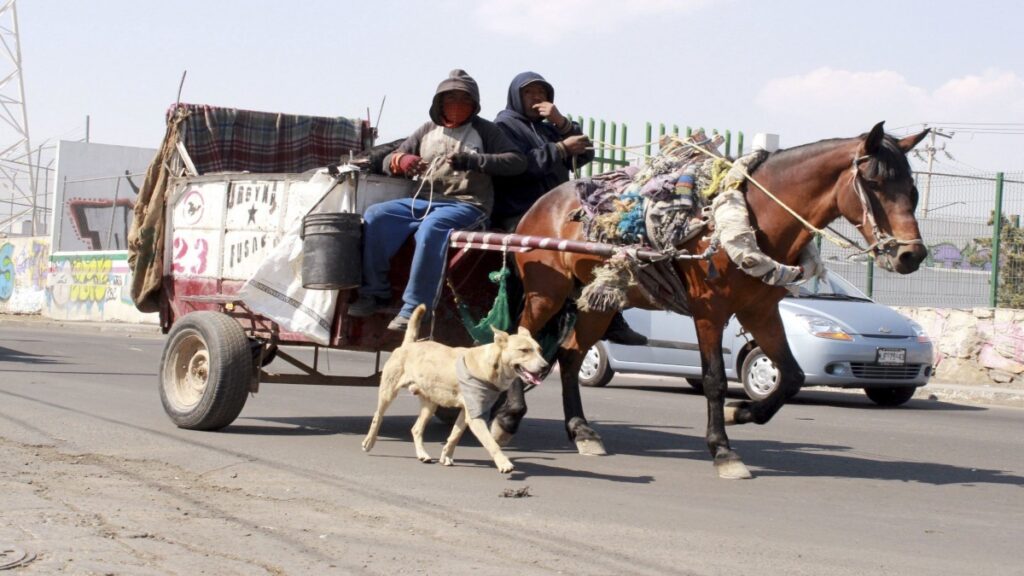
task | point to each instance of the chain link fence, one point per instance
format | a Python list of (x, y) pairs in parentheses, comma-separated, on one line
[(971, 261)]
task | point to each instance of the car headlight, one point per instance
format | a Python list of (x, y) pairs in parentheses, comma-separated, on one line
[(922, 336), (824, 328)]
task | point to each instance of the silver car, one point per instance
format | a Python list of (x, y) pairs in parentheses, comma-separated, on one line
[(839, 336)]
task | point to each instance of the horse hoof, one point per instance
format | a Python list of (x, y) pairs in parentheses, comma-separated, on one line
[(591, 448), (733, 470), (499, 434)]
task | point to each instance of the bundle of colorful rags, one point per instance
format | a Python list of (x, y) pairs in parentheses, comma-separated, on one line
[(653, 204)]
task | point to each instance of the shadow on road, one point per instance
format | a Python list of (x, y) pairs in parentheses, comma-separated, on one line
[(819, 397), (542, 443), (9, 355)]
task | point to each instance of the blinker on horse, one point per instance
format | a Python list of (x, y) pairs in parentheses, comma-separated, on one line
[(866, 180)]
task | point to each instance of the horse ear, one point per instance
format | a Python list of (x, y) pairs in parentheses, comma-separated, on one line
[(874, 139), (907, 144)]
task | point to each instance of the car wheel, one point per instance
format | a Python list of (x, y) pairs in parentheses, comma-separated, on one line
[(595, 371), (894, 396), (759, 375), (696, 383)]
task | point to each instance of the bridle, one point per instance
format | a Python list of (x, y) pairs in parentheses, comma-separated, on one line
[(885, 243)]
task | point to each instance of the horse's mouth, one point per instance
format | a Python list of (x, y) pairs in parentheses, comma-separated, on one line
[(526, 376)]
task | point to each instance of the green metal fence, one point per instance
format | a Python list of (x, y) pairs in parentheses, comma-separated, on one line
[(612, 145)]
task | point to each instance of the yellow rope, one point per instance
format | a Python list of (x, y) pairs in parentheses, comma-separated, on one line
[(818, 231)]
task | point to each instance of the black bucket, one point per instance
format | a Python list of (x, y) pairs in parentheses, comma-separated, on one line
[(331, 255)]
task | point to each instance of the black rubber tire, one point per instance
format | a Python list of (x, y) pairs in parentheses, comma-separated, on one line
[(205, 371), (595, 371), (895, 396), (696, 383)]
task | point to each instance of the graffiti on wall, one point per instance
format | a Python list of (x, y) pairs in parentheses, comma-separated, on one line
[(6, 271), (23, 266), (85, 282)]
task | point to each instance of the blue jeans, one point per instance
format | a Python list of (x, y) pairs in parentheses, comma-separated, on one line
[(389, 224)]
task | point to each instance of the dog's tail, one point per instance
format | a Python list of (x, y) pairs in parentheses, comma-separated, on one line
[(412, 332)]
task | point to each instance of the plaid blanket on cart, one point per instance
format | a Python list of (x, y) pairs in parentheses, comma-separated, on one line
[(230, 140)]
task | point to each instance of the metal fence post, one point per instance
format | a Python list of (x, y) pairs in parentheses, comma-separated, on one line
[(624, 145), (647, 140), (997, 231), (590, 134), (871, 279)]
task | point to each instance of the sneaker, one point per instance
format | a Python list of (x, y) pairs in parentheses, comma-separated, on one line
[(399, 324), (365, 306), (620, 332)]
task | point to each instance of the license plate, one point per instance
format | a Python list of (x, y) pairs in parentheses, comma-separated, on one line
[(891, 356)]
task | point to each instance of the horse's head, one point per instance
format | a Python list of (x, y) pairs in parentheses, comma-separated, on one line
[(880, 198)]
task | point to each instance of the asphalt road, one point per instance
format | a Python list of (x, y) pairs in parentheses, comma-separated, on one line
[(96, 480)]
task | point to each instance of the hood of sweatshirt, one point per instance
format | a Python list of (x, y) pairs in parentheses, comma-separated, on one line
[(457, 80)]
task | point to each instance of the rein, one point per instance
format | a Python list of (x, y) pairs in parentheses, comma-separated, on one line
[(884, 242)]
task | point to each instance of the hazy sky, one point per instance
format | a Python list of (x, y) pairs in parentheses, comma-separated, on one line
[(806, 70)]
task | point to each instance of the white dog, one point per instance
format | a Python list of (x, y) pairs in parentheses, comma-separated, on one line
[(466, 378)]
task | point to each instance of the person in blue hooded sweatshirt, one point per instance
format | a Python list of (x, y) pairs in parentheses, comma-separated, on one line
[(553, 145)]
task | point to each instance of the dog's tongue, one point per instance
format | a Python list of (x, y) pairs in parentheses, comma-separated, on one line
[(528, 377)]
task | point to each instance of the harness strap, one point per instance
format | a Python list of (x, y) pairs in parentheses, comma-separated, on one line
[(841, 242), (883, 241)]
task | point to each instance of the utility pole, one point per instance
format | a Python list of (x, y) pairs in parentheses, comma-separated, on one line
[(930, 150)]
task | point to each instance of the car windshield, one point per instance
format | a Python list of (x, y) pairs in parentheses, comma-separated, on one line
[(832, 287)]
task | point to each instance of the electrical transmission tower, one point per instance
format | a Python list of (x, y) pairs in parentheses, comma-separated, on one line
[(15, 149)]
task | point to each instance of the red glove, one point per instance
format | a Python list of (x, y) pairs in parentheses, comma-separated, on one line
[(404, 163)]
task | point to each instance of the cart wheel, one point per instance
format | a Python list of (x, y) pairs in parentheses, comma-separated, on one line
[(205, 371)]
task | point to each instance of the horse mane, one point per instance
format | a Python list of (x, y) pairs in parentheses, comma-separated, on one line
[(888, 163)]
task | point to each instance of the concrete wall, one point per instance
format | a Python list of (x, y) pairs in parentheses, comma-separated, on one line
[(82, 286), (975, 345), (24, 264)]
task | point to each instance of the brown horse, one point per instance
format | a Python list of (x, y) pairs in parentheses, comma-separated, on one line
[(866, 179)]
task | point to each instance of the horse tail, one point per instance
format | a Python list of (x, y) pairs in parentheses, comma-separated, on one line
[(412, 332)]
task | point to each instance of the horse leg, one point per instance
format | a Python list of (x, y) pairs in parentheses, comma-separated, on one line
[(509, 413), (768, 331), (587, 331), (709, 337), (538, 309)]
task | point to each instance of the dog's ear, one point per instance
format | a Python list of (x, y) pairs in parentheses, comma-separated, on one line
[(524, 332), (500, 337)]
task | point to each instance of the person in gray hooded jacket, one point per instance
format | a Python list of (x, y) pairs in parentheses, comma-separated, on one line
[(455, 155)]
